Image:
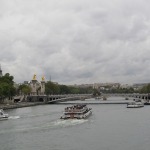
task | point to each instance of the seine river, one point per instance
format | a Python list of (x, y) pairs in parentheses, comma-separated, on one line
[(111, 127)]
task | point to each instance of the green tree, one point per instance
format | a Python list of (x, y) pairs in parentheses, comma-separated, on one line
[(64, 89), (51, 88), (96, 92), (25, 89), (7, 89), (145, 89), (74, 90)]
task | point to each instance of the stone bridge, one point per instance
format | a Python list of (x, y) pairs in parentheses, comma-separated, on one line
[(57, 98)]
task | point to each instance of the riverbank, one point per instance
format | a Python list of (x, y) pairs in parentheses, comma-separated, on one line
[(20, 105)]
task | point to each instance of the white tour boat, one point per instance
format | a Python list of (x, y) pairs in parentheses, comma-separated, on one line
[(135, 104), (78, 111), (3, 116)]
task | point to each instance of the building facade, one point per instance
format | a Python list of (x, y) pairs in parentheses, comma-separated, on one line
[(37, 88)]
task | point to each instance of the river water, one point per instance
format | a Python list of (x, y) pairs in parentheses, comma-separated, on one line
[(111, 127)]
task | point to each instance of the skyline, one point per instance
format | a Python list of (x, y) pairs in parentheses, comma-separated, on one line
[(96, 83), (76, 42)]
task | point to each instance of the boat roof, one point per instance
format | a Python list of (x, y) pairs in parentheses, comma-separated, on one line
[(78, 105)]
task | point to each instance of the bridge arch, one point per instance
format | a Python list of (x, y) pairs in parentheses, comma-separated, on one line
[(41, 99)]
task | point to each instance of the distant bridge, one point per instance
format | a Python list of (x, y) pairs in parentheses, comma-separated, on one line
[(134, 95), (50, 99), (57, 98)]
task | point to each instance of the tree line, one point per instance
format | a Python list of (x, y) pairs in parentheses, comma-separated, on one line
[(8, 90), (145, 89), (52, 88)]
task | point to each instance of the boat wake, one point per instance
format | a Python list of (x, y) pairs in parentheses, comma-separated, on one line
[(51, 125), (69, 122), (13, 117)]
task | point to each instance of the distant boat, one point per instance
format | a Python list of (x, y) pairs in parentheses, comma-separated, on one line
[(126, 98), (135, 104), (147, 103), (3, 116)]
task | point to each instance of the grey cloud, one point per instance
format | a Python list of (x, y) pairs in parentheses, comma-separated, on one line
[(75, 41)]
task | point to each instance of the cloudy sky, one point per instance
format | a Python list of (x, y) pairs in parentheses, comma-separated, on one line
[(76, 41)]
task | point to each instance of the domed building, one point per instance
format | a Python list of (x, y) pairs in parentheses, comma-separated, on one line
[(37, 88)]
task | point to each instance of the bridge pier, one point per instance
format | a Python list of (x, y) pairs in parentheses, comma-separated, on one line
[(37, 98)]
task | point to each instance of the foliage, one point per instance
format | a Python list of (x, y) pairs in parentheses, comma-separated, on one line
[(64, 89), (52, 88), (96, 92), (145, 89), (119, 90), (25, 89), (74, 90), (7, 89)]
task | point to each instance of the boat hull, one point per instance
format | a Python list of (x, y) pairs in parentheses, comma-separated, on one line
[(3, 118), (148, 103), (134, 106), (84, 116)]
